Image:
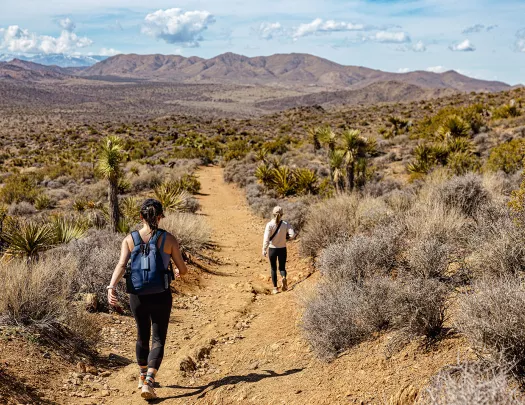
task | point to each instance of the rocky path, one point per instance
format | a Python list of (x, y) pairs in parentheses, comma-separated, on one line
[(237, 336)]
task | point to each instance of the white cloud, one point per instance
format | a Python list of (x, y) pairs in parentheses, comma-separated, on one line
[(479, 28), (178, 27), (67, 24), (388, 37), (269, 30), (109, 52), (403, 70), (319, 26), (16, 39), (436, 69), (419, 46), (520, 40), (465, 46)]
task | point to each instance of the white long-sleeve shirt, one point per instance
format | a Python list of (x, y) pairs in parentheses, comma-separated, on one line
[(279, 240)]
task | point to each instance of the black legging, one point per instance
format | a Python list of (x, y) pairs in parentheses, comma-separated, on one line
[(151, 309), (274, 254)]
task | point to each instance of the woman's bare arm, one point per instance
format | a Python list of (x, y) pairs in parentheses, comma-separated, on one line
[(119, 271), (177, 256)]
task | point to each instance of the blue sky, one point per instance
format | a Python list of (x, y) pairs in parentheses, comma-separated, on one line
[(482, 38)]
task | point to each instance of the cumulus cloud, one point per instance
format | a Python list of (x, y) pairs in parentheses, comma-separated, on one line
[(403, 70), (109, 52), (16, 39), (419, 46), (479, 28), (389, 37), (269, 30), (464, 46), (520, 41), (319, 26), (67, 24), (436, 69), (178, 27)]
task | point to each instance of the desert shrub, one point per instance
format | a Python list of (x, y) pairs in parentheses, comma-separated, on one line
[(363, 256), (492, 318), (339, 218), (494, 246), (420, 308), (341, 315), (191, 231), (43, 202), (507, 111), (66, 229), (94, 258), (507, 157), (470, 383), (190, 183), (19, 187), (173, 198), (130, 208), (428, 258), (36, 296), (464, 193), (145, 181), (22, 208)]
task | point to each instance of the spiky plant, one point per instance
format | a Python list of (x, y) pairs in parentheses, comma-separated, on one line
[(130, 208), (27, 239), (453, 127), (313, 134), (327, 136), (460, 145), (265, 175), (307, 181), (108, 166), (425, 158), (172, 197), (262, 155), (462, 162), (355, 148), (283, 181), (337, 170), (67, 229)]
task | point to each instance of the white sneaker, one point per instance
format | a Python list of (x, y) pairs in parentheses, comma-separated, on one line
[(275, 291), (148, 392), (141, 382)]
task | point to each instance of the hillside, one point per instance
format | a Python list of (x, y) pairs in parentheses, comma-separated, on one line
[(278, 70), (28, 71)]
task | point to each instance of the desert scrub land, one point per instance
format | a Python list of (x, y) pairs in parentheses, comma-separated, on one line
[(412, 213)]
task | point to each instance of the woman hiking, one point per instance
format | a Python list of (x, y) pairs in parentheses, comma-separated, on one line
[(276, 234), (148, 276)]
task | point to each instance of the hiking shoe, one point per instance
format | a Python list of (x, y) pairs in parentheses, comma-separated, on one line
[(285, 285), (148, 392), (275, 291), (142, 378)]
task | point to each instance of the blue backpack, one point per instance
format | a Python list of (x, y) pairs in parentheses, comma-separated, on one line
[(145, 272)]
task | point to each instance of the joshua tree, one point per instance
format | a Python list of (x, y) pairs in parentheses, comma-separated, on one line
[(355, 149), (108, 166), (337, 170), (313, 133), (328, 137)]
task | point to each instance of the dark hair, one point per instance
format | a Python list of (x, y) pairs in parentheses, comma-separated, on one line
[(150, 210)]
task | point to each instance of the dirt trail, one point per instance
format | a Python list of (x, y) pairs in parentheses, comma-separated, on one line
[(250, 342)]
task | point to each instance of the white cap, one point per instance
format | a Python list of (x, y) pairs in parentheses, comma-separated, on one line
[(277, 211)]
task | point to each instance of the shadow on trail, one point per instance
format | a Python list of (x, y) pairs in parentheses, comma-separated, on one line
[(230, 380)]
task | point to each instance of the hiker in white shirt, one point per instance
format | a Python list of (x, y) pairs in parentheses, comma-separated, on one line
[(276, 234)]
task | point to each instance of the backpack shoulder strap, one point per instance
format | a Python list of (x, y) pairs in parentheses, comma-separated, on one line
[(153, 240), (137, 240), (276, 230)]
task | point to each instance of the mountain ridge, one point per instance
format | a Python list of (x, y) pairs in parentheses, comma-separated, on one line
[(293, 70)]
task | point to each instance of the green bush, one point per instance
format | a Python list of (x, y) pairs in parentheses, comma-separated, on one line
[(19, 187), (507, 157), (506, 111)]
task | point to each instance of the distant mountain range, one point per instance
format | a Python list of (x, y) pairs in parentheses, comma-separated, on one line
[(307, 73), (290, 70), (60, 60)]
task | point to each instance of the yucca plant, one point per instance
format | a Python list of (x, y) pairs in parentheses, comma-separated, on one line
[(337, 171), (313, 134), (265, 175), (262, 155), (462, 145), (453, 127), (27, 239), (355, 148), (306, 181), (43, 201), (108, 166), (67, 229), (283, 181), (130, 208), (172, 197), (462, 162), (425, 158), (327, 136)]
